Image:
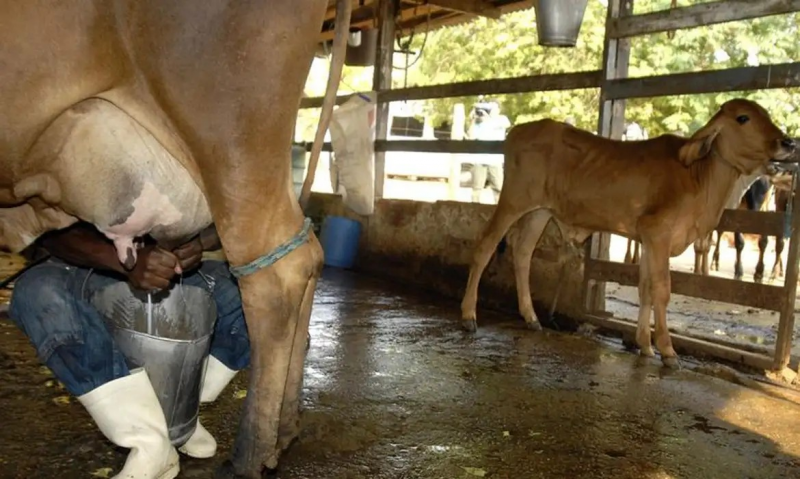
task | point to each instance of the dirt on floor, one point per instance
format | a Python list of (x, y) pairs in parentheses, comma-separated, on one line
[(394, 389)]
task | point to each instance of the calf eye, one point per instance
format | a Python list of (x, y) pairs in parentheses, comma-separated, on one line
[(742, 119)]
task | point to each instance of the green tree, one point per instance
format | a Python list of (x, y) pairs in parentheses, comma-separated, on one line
[(485, 49)]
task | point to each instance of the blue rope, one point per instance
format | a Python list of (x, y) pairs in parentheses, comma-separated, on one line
[(274, 256)]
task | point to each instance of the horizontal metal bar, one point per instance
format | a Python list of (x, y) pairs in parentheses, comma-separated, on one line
[(526, 84), (755, 295), (440, 146), (783, 75), (703, 14)]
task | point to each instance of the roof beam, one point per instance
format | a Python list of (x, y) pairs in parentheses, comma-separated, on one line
[(474, 7)]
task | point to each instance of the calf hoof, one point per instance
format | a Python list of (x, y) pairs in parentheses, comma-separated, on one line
[(671, 362), (533, 325), (758, 278), (469, 325)]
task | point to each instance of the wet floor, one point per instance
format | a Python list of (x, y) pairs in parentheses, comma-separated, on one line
[(395, 390)]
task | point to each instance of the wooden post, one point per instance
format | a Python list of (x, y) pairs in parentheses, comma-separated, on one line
[(616, 54), (382, 81), (783, 344), (456, 133)]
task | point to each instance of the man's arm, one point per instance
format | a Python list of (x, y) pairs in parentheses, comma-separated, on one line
[(209, 239), (82, 245)]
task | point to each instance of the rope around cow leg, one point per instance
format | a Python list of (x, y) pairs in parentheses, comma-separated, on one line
[(274, 256)]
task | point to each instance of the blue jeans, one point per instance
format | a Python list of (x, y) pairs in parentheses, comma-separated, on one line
[(50, 303)]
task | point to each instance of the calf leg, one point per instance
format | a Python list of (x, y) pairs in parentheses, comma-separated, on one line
[(645, 307), (763, 242), (658, 271), (504, 216), (738, 271), (531, 229)]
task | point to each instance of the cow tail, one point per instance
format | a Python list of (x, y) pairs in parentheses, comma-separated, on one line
[(341, 29)]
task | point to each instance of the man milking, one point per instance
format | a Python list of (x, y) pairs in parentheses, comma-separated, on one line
[(51, 303)]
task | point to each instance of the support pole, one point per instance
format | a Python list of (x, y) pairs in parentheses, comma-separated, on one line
[(783, 345), (382, 81), (456, 133), (616, 54)]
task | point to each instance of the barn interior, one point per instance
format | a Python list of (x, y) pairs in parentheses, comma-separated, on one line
[(394, 388)]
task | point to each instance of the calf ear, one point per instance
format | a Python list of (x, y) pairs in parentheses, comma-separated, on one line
[(698, 147)]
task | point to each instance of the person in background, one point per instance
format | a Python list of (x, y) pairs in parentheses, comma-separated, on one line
[(488, 125)]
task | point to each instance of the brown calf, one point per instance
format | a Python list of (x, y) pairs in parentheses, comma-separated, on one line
[(665, 192)]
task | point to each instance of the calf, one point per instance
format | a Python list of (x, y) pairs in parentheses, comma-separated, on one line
[(666, 192)]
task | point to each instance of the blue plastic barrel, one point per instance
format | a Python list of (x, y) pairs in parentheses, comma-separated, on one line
[(339, 237)]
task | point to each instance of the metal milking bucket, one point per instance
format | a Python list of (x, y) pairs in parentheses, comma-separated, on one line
[(558, 22), (169, 334)]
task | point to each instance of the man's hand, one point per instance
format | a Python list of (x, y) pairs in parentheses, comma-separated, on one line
[(154, 269), (189, 255)]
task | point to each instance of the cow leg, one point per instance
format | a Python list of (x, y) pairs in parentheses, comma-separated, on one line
[(701, 249), (502, 219), (715, 258), (645, 307), (738, 271), (532, 227), (636, 247), (777, 267), (628, 256), (763, 242), (290, 411), (237, 120)]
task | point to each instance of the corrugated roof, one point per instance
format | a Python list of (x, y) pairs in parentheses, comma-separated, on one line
[(423, 15)]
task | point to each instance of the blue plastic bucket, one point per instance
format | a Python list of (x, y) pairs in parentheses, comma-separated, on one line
[(339, 237)]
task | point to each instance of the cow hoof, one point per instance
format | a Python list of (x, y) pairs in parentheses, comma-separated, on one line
[(469, 325), (534, 325), (226, 471), (758, 279), (671, 362)]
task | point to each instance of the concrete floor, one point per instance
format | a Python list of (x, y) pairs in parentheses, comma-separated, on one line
[(394, 389)]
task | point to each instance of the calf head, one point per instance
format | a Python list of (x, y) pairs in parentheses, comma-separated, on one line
[(742, 134)]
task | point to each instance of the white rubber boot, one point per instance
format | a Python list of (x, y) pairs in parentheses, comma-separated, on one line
[(216, 376), (128, 413), (201, 445)]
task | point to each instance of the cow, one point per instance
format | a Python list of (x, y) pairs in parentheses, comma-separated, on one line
[(146, 117), (755, 199), (666, 192), (745, 188)]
